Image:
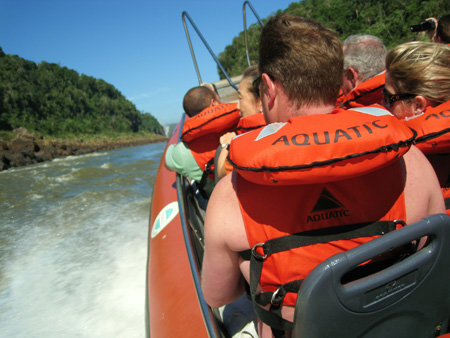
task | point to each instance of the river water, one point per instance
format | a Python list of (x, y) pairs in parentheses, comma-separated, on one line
[(73, 245)]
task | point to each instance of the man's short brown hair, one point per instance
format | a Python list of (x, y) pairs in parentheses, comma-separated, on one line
[(198, 99), (304, 56)]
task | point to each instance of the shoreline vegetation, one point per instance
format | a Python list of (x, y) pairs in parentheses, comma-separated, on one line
[(48, 111), (21, 148), (388, 20)]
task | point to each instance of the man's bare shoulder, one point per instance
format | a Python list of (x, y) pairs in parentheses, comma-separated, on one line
[(224, 186), (223, 215)]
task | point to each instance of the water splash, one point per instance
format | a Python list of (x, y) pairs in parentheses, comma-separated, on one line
[(73, 251)]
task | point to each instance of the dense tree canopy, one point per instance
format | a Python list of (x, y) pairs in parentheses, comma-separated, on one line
[(55, 100), (388, 19)]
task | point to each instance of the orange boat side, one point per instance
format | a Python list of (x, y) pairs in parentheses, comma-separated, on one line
[(173, 304)]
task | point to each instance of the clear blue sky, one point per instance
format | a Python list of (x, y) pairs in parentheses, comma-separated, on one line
[(139, 46)]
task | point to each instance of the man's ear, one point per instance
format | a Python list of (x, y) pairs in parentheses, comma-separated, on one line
[(420, 103), (352, 76), (269, 89)]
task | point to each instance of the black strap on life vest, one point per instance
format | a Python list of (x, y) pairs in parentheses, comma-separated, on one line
[(201, 185), (208, 121), (247, 129), (259, 253), (447, 203), (431, 136)]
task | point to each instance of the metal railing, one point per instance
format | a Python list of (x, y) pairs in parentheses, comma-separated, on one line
[(185, 16), (245, 26)]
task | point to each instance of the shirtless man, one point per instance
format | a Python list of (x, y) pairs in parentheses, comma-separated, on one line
[(300, 62)]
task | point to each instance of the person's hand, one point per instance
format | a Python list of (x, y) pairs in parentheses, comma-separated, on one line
[(432, 32), (225, 139)]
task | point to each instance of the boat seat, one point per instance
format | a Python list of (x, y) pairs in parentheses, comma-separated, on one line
[(409, 298)]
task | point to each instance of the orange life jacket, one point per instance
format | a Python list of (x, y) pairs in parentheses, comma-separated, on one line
[(274, 211), (245, 125), (323, 178), (320, 148), (202, 132), (433, 136), (433, 129), (446, 193), (250, 122), (367, 93)]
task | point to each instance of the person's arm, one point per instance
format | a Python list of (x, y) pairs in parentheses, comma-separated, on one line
[(222, 282), (432, 32), (225, 141), (180, 159), (423, 195)]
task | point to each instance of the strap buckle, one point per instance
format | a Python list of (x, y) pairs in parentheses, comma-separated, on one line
[(256, 254), (278, 296), (400, 222)]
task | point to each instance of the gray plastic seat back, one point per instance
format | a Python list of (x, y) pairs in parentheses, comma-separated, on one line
[(408, 299)]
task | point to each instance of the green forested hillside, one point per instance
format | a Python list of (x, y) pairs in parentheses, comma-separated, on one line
[(388, 19), (57, 101)]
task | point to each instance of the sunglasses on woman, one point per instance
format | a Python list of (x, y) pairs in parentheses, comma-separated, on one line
[(257, 82), (390, 99)]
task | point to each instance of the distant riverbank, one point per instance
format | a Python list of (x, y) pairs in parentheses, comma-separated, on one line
[(22, 148)]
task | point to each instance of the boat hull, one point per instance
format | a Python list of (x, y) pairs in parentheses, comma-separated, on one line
[(173, 305)]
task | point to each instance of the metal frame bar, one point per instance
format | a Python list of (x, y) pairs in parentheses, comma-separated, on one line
[(245, 26), (186, 15)]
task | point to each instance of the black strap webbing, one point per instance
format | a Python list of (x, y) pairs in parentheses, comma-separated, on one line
[(266, 298), (323, 235), (273, 316), (201, 185)]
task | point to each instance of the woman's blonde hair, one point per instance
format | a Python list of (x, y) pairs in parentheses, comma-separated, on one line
[(421, 68)]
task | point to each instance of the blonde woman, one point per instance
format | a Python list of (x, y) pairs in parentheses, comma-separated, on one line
[(418, 90)]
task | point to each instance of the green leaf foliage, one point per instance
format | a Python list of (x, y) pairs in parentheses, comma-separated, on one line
[(388, 19), (57, 101)]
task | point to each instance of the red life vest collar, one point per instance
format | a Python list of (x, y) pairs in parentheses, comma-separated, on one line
[(319, 148), (214, 119), (433, 129), (367, 93), (250, 122)]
